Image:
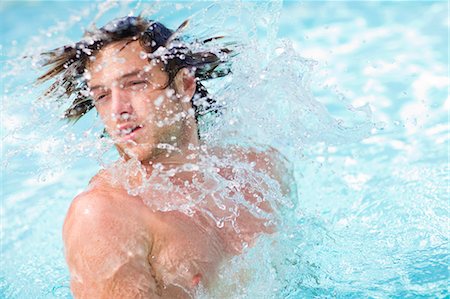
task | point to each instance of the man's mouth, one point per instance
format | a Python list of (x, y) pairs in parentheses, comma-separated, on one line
[(129, 132)]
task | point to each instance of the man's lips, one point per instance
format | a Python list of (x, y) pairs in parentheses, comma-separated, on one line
[(128, 132)]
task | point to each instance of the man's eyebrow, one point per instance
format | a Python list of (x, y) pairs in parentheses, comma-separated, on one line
[(130, 74)]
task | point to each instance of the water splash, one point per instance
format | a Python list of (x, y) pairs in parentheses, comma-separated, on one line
[(356, 227)]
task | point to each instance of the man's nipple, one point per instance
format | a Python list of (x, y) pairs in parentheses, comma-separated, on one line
[(196, 279)]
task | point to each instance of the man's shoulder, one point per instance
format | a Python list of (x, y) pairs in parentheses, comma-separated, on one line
[(103, 236), (96, 213), (101, 198), (95, 194), (87, 206), (100, 190), (100, 202), (101, 179), (89, 197)]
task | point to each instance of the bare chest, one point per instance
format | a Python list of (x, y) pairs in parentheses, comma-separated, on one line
[(186, 250)]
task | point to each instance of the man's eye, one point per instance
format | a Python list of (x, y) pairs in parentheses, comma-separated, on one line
[(100, 97), (138, 85)]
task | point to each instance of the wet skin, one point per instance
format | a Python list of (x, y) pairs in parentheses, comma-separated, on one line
[(116, 246)]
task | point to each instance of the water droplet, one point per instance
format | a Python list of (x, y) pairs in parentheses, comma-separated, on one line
[(159, 101), (143, 55), (220, 223), (380, 125), (87, 75)]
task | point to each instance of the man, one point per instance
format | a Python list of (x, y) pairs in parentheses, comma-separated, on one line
[(145, 84)]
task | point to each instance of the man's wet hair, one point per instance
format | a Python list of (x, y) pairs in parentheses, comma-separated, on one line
[(67, 64)]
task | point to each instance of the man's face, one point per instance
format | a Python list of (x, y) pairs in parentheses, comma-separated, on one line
[(129, 95)]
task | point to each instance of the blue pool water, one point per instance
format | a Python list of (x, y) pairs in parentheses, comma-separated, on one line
[(354, 93)]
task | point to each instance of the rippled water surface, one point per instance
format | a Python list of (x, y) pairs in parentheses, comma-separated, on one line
[(354, 94)]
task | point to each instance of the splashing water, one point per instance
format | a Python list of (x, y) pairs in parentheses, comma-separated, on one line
[(366, 146)]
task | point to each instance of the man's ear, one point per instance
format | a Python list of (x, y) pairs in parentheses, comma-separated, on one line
[(185, 84)]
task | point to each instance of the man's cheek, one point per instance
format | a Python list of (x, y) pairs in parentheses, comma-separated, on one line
[(150, 117)]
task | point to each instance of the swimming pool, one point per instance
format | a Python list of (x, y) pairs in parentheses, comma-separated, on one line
[(371, 218)]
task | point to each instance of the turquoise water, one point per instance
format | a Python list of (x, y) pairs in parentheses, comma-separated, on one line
[(354, 93)]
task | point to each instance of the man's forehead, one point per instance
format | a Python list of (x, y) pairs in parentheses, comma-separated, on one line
[(114, 54), (140, 73), (119, 60)]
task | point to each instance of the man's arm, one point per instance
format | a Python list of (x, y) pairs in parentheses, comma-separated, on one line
[(107, 246)]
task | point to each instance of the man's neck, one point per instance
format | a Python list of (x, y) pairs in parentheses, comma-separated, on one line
[(186, 152)]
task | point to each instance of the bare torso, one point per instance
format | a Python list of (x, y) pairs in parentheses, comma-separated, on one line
[(186, 251)]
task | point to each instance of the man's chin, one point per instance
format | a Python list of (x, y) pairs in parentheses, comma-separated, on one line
[(138, 152)]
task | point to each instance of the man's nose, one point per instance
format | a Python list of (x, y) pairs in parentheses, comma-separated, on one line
[(120, 103)]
